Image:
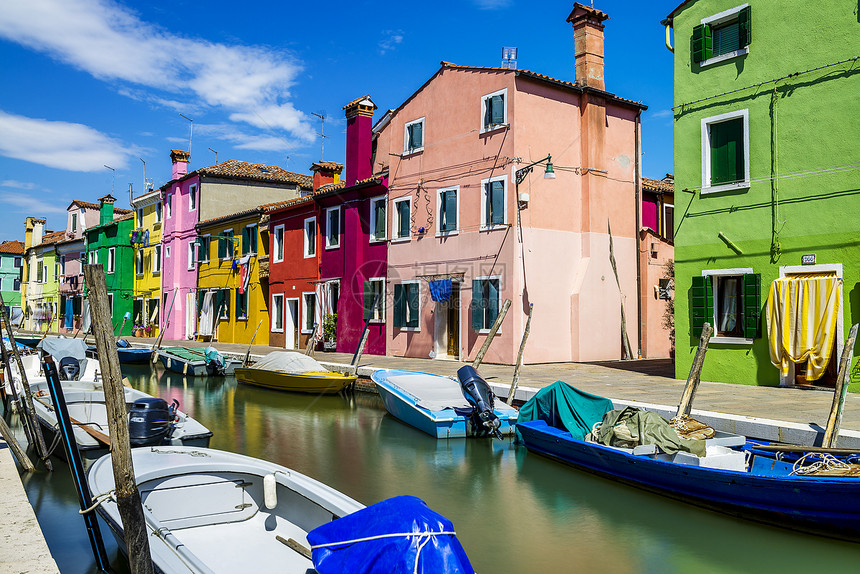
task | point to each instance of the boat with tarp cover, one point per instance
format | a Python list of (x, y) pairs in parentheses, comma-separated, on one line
[(210, 511), (292, 371), (197, 362), (819, 495)]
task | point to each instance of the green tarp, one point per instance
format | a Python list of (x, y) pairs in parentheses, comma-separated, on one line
[(630, 427), (563, 406)]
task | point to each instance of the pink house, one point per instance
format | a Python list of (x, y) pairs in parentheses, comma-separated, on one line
[(474, 220)]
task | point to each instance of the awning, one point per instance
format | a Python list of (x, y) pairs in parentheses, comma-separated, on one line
[(801, 318)]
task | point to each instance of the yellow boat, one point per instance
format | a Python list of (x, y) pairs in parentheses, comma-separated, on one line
[(292, 371)]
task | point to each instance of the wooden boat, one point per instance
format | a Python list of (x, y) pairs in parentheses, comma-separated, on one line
[(195, 363), (28, 340), (435, 404), (210, 511), (128, 354), (292, 371)]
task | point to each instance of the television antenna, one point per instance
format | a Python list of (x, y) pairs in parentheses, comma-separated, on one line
[(321, 133), (216, 155), (113, 183), (509, 57)]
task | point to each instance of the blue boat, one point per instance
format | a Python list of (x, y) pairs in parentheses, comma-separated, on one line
[(129, 354), (436, 404), (746, 482)]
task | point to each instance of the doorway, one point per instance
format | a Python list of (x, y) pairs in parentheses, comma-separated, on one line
[(291, 325), (447, 326)]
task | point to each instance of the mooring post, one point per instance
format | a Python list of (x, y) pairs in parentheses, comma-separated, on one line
[(157, 344), (516, 379), (365, 333), (479, 358), (831, 432), (695, 372), (127, 496), (248, 352), (19, 453)]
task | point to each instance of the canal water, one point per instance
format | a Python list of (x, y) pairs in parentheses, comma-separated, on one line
[(513, 511)]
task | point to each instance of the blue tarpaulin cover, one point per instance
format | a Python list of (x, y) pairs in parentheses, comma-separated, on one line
[(565, 407), (392, 536), (440, 289)]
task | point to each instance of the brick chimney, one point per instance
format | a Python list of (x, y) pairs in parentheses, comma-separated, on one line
[(359, 139), (106, 209), (588, 45), (180, 162), (326, 172), (33, 231)]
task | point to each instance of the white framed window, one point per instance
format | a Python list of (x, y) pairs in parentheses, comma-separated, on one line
[(374, 290), (204, 247), (111, 262), (156, 259), (413, 136), (140, 261), (192, 197), (16, 284), (191, 255), (18, 262), (168, 205), (494, 111), (93, 257), (494, 202), (448, 210), (310, 237), (278, 244), (139, 212), (158, 212), (110, 304), (167, 251), (407, 305), (62, 265), (486, 296), (74, 222), (723, 36), (309, 311), (669, 222), (332, 227), (402, 219), (378, 218), (728, 301), (278, 312), (725, 152)]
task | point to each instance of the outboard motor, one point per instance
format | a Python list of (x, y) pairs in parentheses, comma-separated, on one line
[(150, 421), (478, 393), (70, 368), (214, 360)]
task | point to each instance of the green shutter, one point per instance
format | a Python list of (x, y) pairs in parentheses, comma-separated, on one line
[(701, 304), (379, 228), (412, 291), (727, 151), (222, 252), (702, 48), (226, 298), (219, 303), (252, 235), (403, 213), (200, 294), (399, 306), (367, 299), (752, 305), (492, 301), (497, 105), (477, 304), (744, 27), (496, 203), (246, 242), (450, 210)]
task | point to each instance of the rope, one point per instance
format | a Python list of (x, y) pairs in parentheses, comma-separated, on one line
[(828, 462), (98, 500), (423, 536)]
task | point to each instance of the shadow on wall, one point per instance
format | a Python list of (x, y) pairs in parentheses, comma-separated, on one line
[(853, 316)]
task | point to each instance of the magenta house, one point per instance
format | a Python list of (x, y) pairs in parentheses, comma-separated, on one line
[(353, 242)]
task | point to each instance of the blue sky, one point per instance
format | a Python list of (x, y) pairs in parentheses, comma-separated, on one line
[(89, 83)]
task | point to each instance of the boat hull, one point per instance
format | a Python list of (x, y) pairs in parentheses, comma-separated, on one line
[(312, 383), (194, 368), (825, 506), (134, 356)]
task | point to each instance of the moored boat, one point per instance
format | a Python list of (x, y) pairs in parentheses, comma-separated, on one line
[(128, 354), (196, 362), (292, 371)]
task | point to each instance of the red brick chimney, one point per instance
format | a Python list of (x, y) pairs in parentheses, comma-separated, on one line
[(326, 172), (180, 162), (588, 44), (359, 139)]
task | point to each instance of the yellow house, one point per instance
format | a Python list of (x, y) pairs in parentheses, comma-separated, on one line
[(231, 295), (146, 239)]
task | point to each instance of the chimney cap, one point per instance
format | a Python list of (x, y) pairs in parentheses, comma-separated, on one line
[(107, 199), (362, 106), (332, 166), (179, 155), (580, 11)]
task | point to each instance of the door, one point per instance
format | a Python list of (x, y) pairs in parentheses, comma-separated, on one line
[(291, 325), (454, 322), (190, 317)]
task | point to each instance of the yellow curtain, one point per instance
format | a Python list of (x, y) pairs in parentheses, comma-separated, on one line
[(801, 319)]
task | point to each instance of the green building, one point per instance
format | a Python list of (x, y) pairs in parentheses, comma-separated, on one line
[(11, 262), (109, 243), (767, 165)]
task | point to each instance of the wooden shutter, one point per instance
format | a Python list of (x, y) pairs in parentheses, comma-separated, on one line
[(222, 251), (399, 306), (497, 105), (450, 210), (367, 298), (405, 223), (727, 151), (496, 202), (219, 303), (412, 290), (701, 304), (379, 228), (702, 47), (246, 240), (492, 301), (752, 305), (477, 304), (744, 27)]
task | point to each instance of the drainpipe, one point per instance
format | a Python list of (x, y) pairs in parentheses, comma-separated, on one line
[(638, 184), (668, 24)]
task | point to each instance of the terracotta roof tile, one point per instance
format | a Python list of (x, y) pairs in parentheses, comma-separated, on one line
[(14, 247), (53, 237), (87, 204), (327, 165), (657, 185), (356, 100), (258, 171)]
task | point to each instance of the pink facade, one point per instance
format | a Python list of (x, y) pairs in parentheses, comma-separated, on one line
[(657, 294)]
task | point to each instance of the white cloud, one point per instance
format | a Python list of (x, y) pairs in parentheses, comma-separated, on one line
[(32, 205), (390, 40), (492, 4), (62, 145), (111, 42), (17, 184), (662, 114), (243, 140)]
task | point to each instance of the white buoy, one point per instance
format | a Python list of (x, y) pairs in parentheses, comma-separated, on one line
[(270, 493)]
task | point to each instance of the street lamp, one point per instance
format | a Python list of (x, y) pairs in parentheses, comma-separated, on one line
[(520, 174)]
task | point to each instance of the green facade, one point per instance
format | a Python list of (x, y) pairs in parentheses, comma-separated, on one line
[(11, 277), (779, 142), (115, 236)]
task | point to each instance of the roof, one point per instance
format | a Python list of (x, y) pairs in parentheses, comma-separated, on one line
[(256, 171), (663, 185), (360, 100), (54, 237), (13, 247), (671, 15), (327, 165), (87, 204), (231, 216)]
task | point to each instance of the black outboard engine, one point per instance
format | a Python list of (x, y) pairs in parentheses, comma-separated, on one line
[(478, 393), (150, 421), (70, 368)]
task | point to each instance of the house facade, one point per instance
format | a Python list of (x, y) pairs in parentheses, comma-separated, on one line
[(11, 264), (40, 293), (765, 157), (508, 184), (148, 220)]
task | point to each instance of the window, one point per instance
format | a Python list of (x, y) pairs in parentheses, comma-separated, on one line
[(18, 262), (93, 257), (139, 217), (62, 266), (56, 271), (168, 205), (74, 222), (225, 244), (249, 239), (722, 36), (447, 208), (191, 255), (110, 304), (241, 305), (111, 262), (278, 312), (725, 152), (309, 311), (485, 302), (204, 243), (158, 212), (493, 111), (40, 272), (156, 259), (140, 261), (728, 299), (413, 134), (406, 304), (310, 237), (222, 304), (152, 312), (278, 241), (669, 222), (378, 218), (374, 291), (332, 227), (402, 218), (192, 197), (167, 252), (493, 202), (16, 284)]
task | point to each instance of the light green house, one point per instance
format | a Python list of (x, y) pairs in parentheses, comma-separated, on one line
[(767, 179)]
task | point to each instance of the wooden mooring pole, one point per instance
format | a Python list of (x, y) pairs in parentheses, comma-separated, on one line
[(127, 496), (157, 344), (479, 358), (248, 352), (695, 372), (19, 453), (365, 333), (831, 432), (516, 379)]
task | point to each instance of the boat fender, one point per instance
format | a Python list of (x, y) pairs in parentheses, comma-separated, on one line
[(185, 369), (270, 492)]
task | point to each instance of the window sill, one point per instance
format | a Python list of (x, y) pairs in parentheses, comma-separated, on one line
[(277, 330), (447, 233), (499, 332), (494, 128), (277, 260), (241, 318), (310, 256), (732, 340), (306, 331), (409, 329), (402, 240), (724, 57), (725, 187), (377, 321), (378, 240), (411, 152), (332, 247), (156, 272), (494, 227)]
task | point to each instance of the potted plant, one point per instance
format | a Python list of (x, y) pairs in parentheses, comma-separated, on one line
[(330, 332)]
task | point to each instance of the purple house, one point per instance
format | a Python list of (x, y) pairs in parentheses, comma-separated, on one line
[(353, 244)]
